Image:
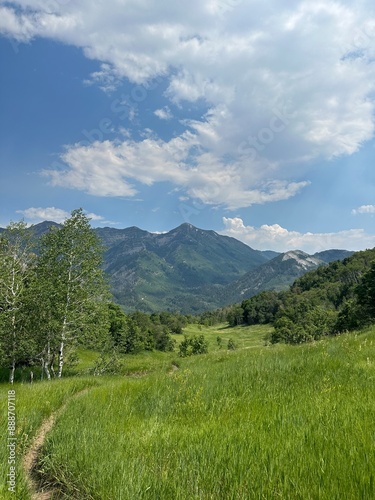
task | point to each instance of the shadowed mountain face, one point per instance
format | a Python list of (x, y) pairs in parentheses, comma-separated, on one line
[(332, 255), (173, 270), (191, 270)]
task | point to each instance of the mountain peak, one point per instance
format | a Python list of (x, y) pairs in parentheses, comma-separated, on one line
[(43, 227), (294, 254), (301, 258), (184, 228)]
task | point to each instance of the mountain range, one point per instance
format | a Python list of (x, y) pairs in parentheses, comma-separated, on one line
[(278, 273), (179, 270), (191, 270)]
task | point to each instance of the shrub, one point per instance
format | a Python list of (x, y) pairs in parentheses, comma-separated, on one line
[(196, 344), (231, 345)]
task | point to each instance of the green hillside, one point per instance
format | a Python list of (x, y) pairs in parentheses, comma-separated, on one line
[(257, 422), (276, 274), (332, 299), (173, 271)]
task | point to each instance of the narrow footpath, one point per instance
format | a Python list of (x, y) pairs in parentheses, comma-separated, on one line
[(31, 458)]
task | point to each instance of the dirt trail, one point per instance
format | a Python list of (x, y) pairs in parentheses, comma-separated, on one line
[(30, 460)]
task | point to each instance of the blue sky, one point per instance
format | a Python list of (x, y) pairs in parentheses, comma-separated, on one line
[(255, 119)]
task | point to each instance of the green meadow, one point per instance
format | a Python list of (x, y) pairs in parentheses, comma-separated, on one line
[(258, 422)]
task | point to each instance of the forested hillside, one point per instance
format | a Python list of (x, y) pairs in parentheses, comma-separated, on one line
[(276, 274), (173, 271), (326, 301)]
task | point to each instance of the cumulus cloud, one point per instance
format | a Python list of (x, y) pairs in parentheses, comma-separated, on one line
[(275, 237), (364, 209), (108, 168), (284, 83), (39, 214)]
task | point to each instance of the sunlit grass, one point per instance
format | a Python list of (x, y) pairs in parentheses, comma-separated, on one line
[(291, 422), (283, 422), (33, 404), (244, 337)]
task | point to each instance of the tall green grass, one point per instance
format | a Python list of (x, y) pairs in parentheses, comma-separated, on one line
[(245, 337), (268, 422), (33, 404)]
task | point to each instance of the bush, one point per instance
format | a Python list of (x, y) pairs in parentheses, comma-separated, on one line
[(196, 344), (310, 325), (231, 345)]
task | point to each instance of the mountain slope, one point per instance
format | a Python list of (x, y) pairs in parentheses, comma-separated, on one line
[(191, 270), (333, 255), (331, 299), (277, 274), (167, 271)]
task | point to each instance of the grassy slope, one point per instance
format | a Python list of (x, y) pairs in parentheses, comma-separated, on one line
[(33, 404), (266, 422)]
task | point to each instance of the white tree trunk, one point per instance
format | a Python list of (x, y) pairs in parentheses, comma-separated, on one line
[(12, 370), (61, 359), (13, 365), (46, 369)]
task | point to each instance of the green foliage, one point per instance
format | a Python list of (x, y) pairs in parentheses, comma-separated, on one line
[(365, 294), (139, 331), (359, 311), (262, 308), (117, 325), (173, 321), (269, 422), (190, 346), (231, 345), (71, 281), (235, 316), (217, 316), (17, 268), (329, 300), (52, 302), (108, 363), (162, 338)]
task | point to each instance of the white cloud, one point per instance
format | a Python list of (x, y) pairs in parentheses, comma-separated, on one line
[(275, 237), (108, 169), (364, 209), (163, 113), (95, 217), (39, 214), (285, 82), (106, 78), (27, 24)]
